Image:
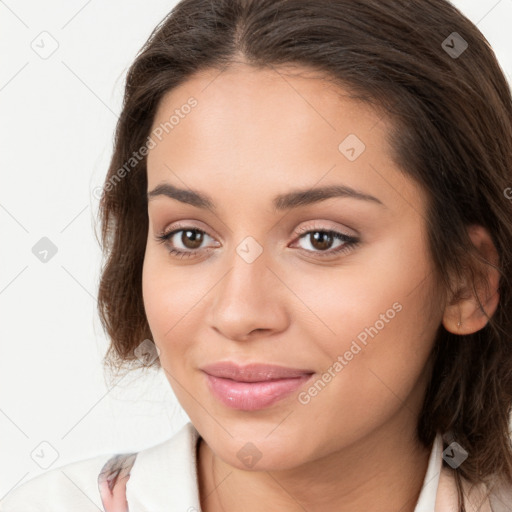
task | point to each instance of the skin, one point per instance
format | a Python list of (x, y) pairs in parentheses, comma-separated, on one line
[(255, 134)]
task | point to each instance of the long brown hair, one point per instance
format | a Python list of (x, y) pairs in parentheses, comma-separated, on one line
[(452, 115)]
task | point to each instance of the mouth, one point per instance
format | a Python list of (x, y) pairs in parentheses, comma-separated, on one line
[(254, 386)]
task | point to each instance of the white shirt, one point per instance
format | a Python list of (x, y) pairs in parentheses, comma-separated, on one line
[(164, 478)]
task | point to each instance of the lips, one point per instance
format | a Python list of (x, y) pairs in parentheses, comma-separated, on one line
[(254, 386), (254, 372)]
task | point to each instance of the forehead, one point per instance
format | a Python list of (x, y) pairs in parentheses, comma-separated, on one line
[(269, 103), (275, 126)]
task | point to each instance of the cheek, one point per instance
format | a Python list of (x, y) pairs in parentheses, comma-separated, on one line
[(388, 286), (377, 328), (375, 323), (170, 296)]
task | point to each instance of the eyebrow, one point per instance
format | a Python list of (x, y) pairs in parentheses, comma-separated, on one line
[(287, 201)]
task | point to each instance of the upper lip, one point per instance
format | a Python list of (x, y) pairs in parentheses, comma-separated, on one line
[(254, 372)]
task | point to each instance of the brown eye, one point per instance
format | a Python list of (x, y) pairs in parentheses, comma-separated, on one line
[(324, 242), (184, 242), (191, 238), (321, 240)]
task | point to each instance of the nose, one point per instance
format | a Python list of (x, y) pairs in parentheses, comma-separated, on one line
[(249, 299)]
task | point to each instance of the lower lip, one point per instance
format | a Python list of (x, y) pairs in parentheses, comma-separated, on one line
[(251, 396)]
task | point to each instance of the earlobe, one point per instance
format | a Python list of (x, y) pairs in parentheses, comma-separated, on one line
[(475, 304)]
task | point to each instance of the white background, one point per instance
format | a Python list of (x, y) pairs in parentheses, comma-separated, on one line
[(57, 122)]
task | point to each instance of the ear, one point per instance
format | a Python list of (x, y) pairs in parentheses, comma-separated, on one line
[(463, 314)]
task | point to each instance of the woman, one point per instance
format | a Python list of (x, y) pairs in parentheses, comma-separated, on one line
[(307, 213)]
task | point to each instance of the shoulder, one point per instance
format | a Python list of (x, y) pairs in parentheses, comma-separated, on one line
[(72, 486), (111, 481)]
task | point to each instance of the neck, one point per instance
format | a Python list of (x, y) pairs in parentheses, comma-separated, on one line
[(381, 472)]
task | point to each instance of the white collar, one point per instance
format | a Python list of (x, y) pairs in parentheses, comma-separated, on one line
[(427, 499), (166, 474)]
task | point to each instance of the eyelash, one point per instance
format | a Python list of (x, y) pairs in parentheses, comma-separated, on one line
[(350, 241)]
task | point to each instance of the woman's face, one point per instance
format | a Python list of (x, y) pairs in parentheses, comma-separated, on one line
[(265, 280)]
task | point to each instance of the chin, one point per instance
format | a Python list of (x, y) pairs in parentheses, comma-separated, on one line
[(260, 454)]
